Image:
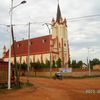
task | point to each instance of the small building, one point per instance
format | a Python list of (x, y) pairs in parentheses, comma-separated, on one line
[(96, 67), (84, 66)]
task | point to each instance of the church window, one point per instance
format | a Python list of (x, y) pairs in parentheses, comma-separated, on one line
[(31, 43), (18, 45), (44, 40)]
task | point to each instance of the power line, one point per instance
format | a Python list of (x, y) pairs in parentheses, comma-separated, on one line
[(97, 15), (82, 19), (69, 19)]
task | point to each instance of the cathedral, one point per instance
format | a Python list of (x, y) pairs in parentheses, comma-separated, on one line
[(49, 47)]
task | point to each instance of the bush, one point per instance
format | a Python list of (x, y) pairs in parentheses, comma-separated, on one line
[(47, 65), (58, 63)]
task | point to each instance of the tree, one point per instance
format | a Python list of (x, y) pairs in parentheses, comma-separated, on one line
[(94, 62), (79, 64), (36, 66), (58, 63), (23, 68), (47, 65), (76, 64), (69, 63), (53, 64), (73, 64)]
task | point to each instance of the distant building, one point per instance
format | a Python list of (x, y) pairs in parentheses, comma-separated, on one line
[(50, 47), (96, 67), (84, 66)]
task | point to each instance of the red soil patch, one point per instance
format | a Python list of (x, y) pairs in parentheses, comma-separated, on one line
[(49, 89)]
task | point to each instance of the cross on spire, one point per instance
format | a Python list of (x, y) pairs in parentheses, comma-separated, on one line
[(58, 17), (58, 1)]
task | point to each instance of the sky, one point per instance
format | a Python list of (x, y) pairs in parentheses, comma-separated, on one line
[(83, 33)]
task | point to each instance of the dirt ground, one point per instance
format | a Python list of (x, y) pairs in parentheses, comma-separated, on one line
[(50, 89)]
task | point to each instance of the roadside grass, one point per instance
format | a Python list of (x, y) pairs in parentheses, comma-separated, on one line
[(13, 86)]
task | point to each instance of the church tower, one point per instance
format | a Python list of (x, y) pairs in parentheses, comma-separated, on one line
[(60, 35)]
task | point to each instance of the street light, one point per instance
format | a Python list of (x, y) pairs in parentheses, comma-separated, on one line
[(12, 35), (47, 24), (23, 2)]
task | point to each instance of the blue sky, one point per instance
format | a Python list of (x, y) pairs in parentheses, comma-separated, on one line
[(83, 33)]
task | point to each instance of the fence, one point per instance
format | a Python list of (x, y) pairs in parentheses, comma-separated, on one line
[(3, 72)]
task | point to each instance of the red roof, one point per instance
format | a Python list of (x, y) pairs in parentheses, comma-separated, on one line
[(38, 45)]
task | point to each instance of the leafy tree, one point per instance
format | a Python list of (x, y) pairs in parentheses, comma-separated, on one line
[(94, 62), (79, 64), (73, 64), (76, 64), (58, 63), (24, 66), (18, 65), (47, 65), (53, 64), (69, 63), (36, 66), (43, 65)]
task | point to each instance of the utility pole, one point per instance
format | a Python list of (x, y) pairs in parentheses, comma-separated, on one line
[(89, 63), (50, 49), (9, 63), (12, 34), (28, 68)]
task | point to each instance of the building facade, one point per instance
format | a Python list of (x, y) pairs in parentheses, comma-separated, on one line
[(50, 47)]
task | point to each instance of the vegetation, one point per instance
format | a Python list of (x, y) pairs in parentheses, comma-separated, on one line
[(13, 86), (58, 63), (76, 64), (53, 64), (38, 65), (94, 62), (47, 65)]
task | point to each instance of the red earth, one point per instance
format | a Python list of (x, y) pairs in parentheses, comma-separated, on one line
[(50, 89)]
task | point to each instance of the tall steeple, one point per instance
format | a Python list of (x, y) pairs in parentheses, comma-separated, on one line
[(60, 36), (58, 17)]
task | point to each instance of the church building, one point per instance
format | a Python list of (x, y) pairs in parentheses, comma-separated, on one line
[(49, 47)]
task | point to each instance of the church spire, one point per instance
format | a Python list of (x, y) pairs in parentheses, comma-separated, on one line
[(58, 17)]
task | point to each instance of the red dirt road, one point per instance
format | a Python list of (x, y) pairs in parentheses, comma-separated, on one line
[(49, 89)]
